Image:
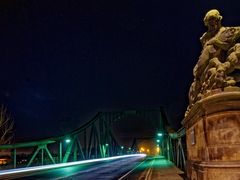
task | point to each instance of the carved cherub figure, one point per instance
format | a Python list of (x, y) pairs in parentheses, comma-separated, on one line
[(219, 60)]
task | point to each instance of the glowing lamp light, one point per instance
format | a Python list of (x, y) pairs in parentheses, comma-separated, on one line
[(158, 140), (68, 140), (122, 147), (160, 134), (106, 144)]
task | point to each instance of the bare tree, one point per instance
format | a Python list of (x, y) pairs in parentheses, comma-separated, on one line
[(6, 126)]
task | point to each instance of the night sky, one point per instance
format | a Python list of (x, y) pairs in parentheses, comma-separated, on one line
[(62, 61)]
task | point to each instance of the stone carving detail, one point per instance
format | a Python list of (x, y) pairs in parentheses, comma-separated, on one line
[(218, 66)]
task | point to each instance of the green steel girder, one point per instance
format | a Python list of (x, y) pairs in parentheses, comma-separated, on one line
[(60, 152), (69, 149), (90, 143), (177, 150), (41, 148), (49, 155), (14, 156), (27, 144), (80, 148), (34, 155)]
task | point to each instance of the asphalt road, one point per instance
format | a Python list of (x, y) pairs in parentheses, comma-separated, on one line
[(110, 169), (127, 168)]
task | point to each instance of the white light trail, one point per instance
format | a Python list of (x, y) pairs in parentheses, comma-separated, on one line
[(47, 167)]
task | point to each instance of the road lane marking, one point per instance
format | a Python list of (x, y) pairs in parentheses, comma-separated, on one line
[(149, 172), (99, 169), (143, 174), (125, 175)]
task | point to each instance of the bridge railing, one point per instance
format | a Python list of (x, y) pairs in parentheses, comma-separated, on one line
[(177, 148)]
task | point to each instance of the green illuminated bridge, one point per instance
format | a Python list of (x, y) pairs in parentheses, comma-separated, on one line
[(98, 150)]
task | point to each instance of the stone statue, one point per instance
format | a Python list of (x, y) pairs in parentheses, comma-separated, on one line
[(218, 66)]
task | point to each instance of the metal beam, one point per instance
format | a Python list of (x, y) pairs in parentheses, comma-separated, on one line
[(90, 143), (49, 155), (80, 148), (60, 152), (69, 149), (75, 152), (42, 156), (14, 156), (27, 144), (33, 157)]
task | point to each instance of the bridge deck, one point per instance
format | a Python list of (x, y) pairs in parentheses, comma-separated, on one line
[(154, 168), (132, 167)]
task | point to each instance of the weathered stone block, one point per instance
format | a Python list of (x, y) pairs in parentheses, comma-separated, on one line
[(213, 137)]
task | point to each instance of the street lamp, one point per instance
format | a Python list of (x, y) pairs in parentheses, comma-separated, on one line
[(160, 134), (68, 140)]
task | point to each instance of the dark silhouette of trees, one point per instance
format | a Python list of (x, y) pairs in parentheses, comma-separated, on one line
[(6, 126)]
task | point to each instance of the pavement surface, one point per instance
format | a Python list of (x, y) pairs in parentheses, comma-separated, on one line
[(154, 168)]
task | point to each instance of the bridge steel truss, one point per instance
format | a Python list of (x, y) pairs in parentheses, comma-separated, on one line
[(177, 148), (94, 139)]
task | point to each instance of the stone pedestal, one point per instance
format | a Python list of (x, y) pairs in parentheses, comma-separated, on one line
[(213, 137)]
